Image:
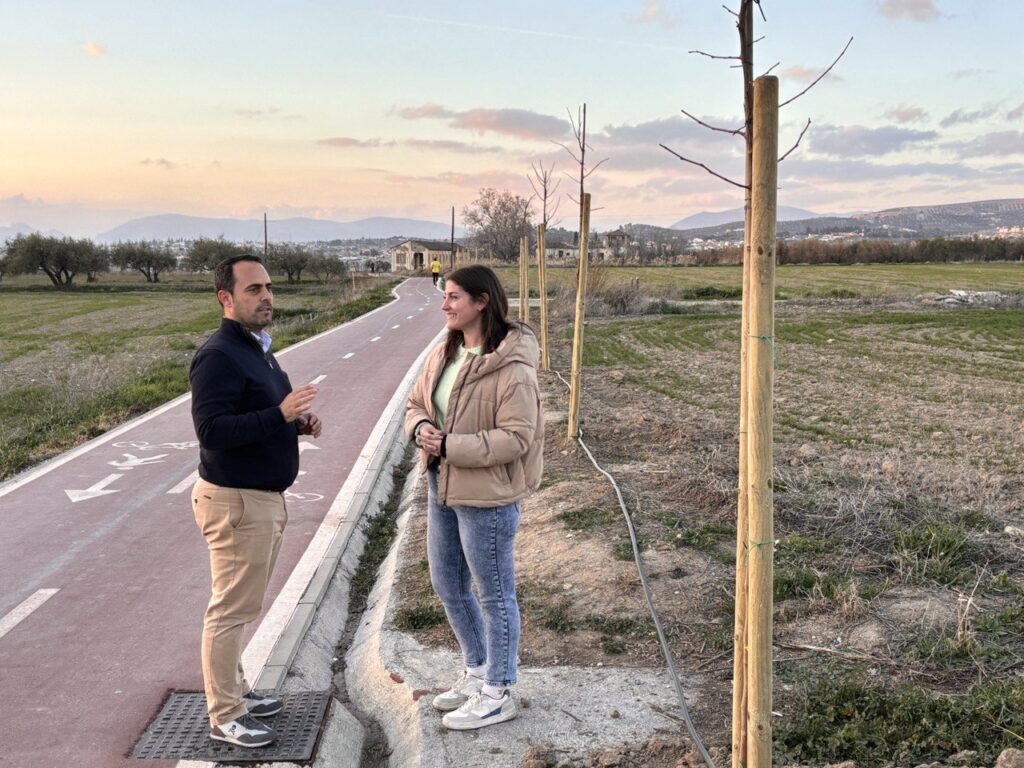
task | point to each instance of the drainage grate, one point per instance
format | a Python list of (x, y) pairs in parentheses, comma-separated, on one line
[(180, 731)]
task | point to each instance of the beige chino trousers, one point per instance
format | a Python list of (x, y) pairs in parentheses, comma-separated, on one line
[(243, 531)]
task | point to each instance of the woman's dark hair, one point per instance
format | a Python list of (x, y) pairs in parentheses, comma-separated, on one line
[(480, 282)]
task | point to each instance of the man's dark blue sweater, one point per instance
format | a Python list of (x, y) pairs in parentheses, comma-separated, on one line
[(244, 440)]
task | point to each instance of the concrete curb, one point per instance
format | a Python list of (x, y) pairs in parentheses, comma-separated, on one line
[(574, 710)]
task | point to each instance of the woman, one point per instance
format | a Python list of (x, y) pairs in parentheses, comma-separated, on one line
[(475, 414)]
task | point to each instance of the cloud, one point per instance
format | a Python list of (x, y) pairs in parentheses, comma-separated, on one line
[(912, 10), (963, 74), (961, 116), (348, 141), (161, 162), (859, 141), (427, 110), (655, 13), (94, 49), (821, 170), (264, 114), (906, 113), (459, 147), (518, 123), (997, 144), (806, 74), (1016, 113)]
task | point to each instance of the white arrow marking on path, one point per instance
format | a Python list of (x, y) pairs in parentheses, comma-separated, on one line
[(185, 484), (93, 491), (307, 447), (23, 609), (134, 461)]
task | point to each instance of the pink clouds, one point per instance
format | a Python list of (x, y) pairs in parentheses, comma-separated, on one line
[(94, 49), (517, 123), (912, 10), (906, 113)]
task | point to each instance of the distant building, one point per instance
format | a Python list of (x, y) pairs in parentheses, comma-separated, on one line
[(417, 254)]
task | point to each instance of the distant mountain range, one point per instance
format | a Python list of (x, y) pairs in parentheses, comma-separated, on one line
[(715, 218), (295, 230), (984, 217)]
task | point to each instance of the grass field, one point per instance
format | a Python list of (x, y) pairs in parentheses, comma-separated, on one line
[(826, 280), (74, 363)]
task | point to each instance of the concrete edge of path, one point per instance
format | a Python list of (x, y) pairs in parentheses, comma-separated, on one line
[(393, 678)]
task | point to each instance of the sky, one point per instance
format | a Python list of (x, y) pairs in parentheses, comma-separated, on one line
[(341, 109)]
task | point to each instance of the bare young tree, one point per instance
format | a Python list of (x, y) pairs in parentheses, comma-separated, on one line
[(579, 153), (544, 188)]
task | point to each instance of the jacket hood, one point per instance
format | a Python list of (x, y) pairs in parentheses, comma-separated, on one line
[(519, 346)]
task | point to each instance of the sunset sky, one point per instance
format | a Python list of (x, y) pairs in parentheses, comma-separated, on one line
[(342, 110)]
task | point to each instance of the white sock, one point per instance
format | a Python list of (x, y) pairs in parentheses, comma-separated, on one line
[(477, 671), (494, 691)]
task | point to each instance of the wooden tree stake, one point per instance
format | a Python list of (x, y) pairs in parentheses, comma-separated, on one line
[(577, 336), (542, 289), (524, 279), (761, 361)]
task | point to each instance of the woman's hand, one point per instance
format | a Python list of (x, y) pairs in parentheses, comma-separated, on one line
[(430, 438)]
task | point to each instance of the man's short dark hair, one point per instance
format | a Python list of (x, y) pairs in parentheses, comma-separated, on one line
[(224, 273)]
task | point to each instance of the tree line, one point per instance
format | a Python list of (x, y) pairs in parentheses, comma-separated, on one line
[(938, 249), (64, 259)]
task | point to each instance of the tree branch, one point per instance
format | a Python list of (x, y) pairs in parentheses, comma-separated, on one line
[(694, 162), (712, 56), (797, 140), (819, 77), (732, 131)]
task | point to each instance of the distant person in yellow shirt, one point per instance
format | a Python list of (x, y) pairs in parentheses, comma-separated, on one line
[(435, 269)]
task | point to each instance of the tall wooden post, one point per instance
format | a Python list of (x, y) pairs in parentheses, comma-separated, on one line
[(577, 336), (739, 662), (264, 235), (542, 289), (761, 362), (524, 279), (453, 239)]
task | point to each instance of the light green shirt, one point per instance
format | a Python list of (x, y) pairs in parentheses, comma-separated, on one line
[(443, 390)]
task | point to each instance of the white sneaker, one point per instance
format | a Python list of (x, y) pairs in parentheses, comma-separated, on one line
[(245, 731), (458, 694), (481, 710)]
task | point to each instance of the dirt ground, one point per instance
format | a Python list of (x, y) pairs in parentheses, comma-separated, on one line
[(888, 421)]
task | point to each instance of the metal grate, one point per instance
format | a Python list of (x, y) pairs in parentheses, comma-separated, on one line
[(181, 731)]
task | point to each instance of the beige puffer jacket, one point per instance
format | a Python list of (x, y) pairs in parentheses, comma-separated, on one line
[(494, 451)]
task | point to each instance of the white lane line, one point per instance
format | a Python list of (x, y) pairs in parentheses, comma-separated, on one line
[(420, 309), (347, 356), (185, 484), (21, 612), (393, 327), (375, 338), (409, 317), (319, 378)]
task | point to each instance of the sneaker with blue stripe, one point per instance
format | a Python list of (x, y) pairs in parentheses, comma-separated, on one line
[(481, 710), (261, 705)]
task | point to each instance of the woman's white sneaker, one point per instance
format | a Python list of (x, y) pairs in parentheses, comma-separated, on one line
[(480, 710), (458, 694)]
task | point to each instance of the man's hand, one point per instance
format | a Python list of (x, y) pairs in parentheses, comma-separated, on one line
[(430, 438), (310, 424), (298, 402)]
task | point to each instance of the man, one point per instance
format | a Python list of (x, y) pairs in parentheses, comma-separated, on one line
[(248, 420), (435, 269)]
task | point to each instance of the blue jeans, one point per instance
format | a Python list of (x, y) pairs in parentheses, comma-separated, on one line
[(467, 545)]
